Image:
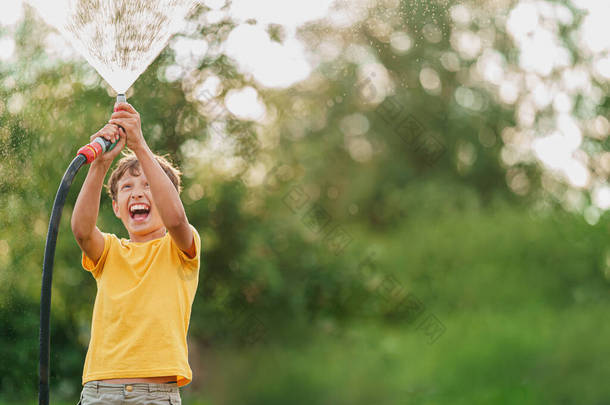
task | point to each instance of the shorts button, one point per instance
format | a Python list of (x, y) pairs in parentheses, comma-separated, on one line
[(129, 388)]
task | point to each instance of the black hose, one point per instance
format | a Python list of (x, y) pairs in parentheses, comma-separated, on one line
[(47, 276)]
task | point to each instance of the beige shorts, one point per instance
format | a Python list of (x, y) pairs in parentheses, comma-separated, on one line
[(98, 393)]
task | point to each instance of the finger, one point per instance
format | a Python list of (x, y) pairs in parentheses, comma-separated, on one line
[(122, 139), (126, 107), (118, 122), (125, 125), (106, 133), (121, 114), (111, 130), (115, 132), (108, 137), (97, 135), (119, 146)]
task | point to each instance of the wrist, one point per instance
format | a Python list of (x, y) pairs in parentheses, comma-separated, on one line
[(140, 148), (101, 165)]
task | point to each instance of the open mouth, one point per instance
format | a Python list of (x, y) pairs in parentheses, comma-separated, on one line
[(139, 212)]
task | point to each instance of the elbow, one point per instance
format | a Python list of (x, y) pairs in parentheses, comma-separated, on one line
[(79, 236), (75, 229), (176, 223), (79, 233)]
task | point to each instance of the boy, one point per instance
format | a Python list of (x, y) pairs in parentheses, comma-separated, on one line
[(145, 285)]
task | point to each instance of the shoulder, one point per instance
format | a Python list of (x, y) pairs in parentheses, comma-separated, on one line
[(195, 232), (193, 253), (109, 238), (196, 237), (114, 241), (112, 238), (95, 267)]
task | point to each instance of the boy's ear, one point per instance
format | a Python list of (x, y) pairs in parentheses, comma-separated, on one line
[(115, 208)]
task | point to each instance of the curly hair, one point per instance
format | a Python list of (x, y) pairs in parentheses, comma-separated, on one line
[(130, 162)]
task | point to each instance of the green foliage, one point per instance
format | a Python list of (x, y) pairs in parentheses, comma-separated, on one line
[(284, 313)]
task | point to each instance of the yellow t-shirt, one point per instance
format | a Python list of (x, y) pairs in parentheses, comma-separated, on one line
[(142, 309)]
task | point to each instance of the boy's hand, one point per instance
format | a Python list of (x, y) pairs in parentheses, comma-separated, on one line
[(111, 133), (127, 117)]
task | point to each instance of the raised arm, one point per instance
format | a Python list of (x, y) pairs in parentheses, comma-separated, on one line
[(165, 195), (86, 209)]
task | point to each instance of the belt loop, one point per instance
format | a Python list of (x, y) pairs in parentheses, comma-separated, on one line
[(150, 388), (97, 388)]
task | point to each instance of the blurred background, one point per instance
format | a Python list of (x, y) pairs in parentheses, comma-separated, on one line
[(400, 202)]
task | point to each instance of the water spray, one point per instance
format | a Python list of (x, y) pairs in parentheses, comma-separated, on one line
[(85, 155)]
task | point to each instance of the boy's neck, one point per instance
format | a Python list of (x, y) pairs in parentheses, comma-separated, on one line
[(156, 234)]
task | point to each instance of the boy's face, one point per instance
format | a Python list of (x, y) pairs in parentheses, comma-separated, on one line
[(135, 207)]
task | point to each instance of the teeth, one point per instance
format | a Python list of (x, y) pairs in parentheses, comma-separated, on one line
[(136, 207)]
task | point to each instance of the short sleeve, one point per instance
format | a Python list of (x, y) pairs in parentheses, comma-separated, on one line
[(189, 263), (90, 265)]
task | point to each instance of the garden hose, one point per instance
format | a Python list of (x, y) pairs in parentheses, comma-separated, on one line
[(85, 155)]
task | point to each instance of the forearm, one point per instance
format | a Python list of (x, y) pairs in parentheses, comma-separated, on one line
[(166, 197), (86, 209)]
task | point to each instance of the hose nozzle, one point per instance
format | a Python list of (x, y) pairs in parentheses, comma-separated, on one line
[(95, 148), (99, 145)]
